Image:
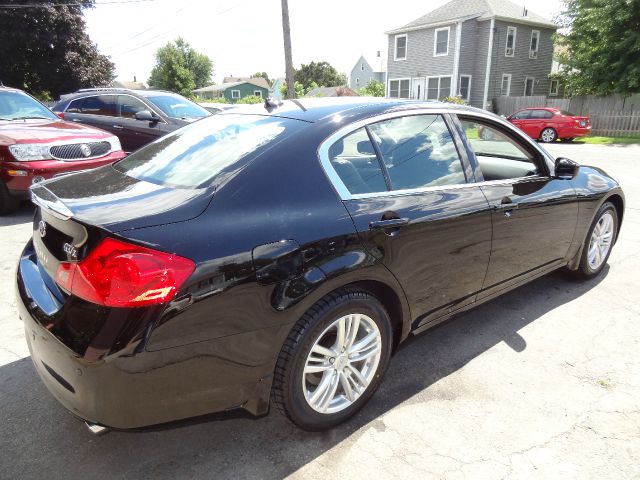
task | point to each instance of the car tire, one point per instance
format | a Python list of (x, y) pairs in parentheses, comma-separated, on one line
[(599, 241), (567, 140), (548, 135), (320, 391), (8, 203)]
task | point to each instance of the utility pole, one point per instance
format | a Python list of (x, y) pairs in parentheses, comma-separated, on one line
[(288, 62)]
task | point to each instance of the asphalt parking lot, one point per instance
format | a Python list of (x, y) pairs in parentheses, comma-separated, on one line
[(542, 383)]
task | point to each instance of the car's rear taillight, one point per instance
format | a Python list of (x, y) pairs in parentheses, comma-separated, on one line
[(120, 274)]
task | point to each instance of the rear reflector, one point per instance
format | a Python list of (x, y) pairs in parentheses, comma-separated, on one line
[(60, 114), (120, 274)]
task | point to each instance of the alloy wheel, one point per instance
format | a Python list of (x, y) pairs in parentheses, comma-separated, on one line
[(342, 363), (548, 135), (600, 242)]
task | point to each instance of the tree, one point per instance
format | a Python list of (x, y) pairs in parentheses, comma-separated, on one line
[(46, 50), (263, 75), (372, 89), (602, 47), (179, 68), (298, 89), (322, 73)]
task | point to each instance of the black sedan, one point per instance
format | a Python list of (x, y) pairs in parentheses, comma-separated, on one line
[(281, 254)]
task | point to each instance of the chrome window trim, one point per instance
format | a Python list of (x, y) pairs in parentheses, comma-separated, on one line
[(343, 192)]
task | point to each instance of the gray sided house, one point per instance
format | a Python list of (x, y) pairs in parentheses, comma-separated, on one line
[(234, 91), (476, 49), (362, 73)]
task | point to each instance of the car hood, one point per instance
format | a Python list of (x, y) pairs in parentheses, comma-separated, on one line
[(38, 131), (116, 202)]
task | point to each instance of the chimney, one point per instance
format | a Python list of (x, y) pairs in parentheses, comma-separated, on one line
[(134, 79), (524, 11), (378, 54)]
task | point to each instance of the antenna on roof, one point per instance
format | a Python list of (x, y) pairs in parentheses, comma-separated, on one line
[(271, 104)]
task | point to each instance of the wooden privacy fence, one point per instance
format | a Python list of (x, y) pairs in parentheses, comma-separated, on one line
[(615, 123), (613, 116)]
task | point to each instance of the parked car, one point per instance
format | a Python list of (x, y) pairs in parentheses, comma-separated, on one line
[(137, 117), (282, 253), (35, 145), (214, 107), (550, 124)]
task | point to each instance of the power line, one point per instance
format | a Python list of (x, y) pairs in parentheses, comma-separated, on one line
[(74, 4)]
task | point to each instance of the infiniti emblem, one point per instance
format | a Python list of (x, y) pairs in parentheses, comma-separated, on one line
[(42, 228), (85, 149)]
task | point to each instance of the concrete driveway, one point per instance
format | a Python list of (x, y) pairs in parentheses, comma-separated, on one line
[(542, 383)]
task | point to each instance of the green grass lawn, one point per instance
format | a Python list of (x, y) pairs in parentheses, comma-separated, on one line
[(609, 140)]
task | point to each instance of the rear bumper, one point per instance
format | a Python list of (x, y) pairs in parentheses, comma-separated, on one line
[(133, 388), (575, 132), (19, 176)]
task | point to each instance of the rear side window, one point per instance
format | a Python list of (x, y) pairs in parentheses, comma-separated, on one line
[(104, 105), (207, 152), (523, 115), (541, 114), (418, 151), (355, 161)]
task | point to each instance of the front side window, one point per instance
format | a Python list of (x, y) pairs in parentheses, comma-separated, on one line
[(103, 105), (401, 47), (129, 106), (399, 88), (20, 106), (533, 45), (207, 152), (522, 115), (418, 151), (441, 42), (464, 89), (499, 156), (510, 46), (505, 86), (354, 160), (438, 87)]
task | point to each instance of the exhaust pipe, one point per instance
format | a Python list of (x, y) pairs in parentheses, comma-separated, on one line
[(96, 429)]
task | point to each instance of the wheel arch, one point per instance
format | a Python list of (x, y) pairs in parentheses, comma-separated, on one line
[(618, 203)]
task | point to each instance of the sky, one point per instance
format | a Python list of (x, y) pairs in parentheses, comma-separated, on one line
[(245, 36)]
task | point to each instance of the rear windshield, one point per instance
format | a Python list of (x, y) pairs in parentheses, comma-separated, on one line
[(568, 114), (207, 152), (175, 106)]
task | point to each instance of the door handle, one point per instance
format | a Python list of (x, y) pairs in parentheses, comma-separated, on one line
[(505, 206), (76, 120), (117, 127), (391, 223)]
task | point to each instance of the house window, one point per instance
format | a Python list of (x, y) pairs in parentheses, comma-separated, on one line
[(528, 86), (464, 87), (401, 47), (533, 45), (357, 81), (505, 86), (438, 87), (399, 88), (258, 93), (235, 93), (554, 86), (510, 46), (441, 42), (362, 66)]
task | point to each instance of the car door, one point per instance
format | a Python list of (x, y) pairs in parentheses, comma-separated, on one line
[(522, 120), (95, 110), (534, 215), (405, 186), (138, 133)]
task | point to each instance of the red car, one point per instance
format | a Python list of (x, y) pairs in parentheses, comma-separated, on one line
[(35, 145), (549, 124)]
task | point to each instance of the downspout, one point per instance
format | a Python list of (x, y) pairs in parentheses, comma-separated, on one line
[(456, 61), (487, 73)]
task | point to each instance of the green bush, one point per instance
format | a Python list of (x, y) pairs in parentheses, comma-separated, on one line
[(251, 99), (454, 99)]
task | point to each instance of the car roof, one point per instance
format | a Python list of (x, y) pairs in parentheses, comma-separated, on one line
[(4, 88), (551, 109), (113, 90), (317, 109)]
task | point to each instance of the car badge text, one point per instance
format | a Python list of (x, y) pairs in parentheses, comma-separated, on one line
[(42, 228), (70, 250)]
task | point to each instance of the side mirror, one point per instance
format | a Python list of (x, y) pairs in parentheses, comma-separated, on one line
[(146, 116), (566, 169)]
